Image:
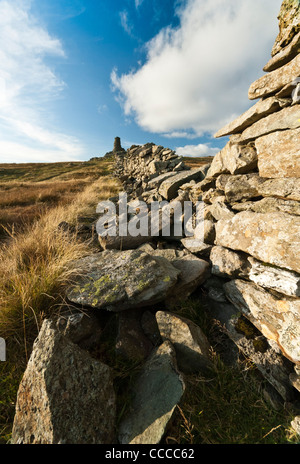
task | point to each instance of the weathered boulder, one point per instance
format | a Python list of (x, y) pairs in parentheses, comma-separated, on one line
[(284, 188), (279, 154), (155, 394), (243, 187), (275, 80), (229, 264), (282, 281), (65, 396), (192, 348), (276, 317), (258, 111), (271, 238), (196, 246), (119, 280), (234, 159)]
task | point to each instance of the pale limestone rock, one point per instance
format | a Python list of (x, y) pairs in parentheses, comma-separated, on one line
[(258, 111), (276, 317), (191, 345), (279, 154), (282, 281), (243, 187), (288, 188), (155, 395), (272, 238), (229, 264), (219, 210), (233, 159), (65, 396), (168, 189), (275, 80), (269, 205), (285, 55), (287, 118), (196, 246)]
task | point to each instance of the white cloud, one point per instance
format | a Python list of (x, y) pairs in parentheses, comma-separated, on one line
[(197, 150), (138, 3), (196, 76), (125, 23), (27, 86)]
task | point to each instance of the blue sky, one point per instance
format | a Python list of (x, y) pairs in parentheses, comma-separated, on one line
[(76, 73)]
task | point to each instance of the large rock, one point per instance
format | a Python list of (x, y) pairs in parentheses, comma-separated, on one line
[(275, 80), (193, 272), (192, 348), (155, 395), (285, 55), (233, 159), (287, 118), (252, 186), (229, 264), (276, 317), (168, 189), (282, 281), (65, 396), (279, 154), (272, 238), (258, 111), (119, 280), (269, 205), (289, 24)]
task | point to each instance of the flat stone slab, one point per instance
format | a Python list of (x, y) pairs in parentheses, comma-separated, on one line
[(65, 396), (168, 189), (285, 55), (119, 280), (275, 80), (258, 111), (287, 118), (155, 395)]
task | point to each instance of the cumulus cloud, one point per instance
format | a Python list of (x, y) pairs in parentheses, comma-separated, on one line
[(195, 77), (27, 86), (202, 149)]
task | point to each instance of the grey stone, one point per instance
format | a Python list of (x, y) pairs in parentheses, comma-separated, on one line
[(155, 395), (234, 159), (65, 396), (192, 348)]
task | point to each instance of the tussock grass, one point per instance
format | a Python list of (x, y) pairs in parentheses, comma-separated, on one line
[(35, 264)]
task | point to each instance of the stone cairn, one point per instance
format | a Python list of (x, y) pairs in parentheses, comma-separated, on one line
[(246, 266)]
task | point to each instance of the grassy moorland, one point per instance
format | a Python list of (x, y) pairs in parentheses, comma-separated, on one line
[(35, 267)]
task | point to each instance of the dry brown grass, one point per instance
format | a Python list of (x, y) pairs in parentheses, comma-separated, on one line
[(37, 263)]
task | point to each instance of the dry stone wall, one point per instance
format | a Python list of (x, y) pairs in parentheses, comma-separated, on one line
[(245, 264)]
